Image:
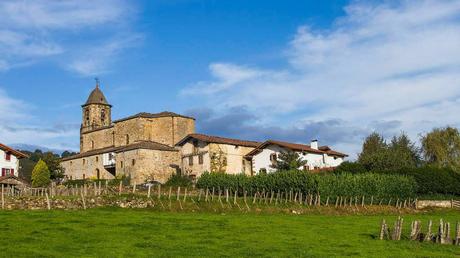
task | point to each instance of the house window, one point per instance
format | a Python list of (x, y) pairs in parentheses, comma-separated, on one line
[(98, 174), (190, 160), (84, 176), (273, 158), (127, 139), (200, 159), (87, 116), (71, 163), (243, 164), (84, 161), (121, 164), (133, 162), (113, 138), (97, 158), (92, 145), (8, 156)]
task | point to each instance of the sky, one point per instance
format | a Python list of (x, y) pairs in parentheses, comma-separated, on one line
[(288, 70)]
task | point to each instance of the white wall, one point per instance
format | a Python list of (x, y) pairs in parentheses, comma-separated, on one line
[(12, 164), (262, 160)]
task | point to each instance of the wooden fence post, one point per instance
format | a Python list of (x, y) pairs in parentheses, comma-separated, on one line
[(185, 194), (382, 229), (178, 193), (429, 234), (134, 188), (48, 201), (226, 195), (199, 195), (206, 195), (159, 191), (148, 191), (120, 187), (3, 198), (457, 234), (234, 196), (83, 200)]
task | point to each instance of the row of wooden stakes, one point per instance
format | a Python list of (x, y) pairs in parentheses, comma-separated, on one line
[(442, 236)]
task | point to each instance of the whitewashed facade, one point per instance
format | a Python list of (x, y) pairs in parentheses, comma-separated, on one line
[(9, 161), (317, 158)]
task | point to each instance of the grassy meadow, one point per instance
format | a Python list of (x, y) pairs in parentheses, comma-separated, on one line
[(116, 232)]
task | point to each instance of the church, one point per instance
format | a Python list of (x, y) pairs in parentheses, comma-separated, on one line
[(153, 146), (141, 146)]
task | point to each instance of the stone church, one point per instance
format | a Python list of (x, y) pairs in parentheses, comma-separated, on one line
[(141, 146)]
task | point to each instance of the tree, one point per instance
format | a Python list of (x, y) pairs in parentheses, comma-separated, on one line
[(404, 152), (350, 167), (54, 165), (66, 154), (289, 160), (400, 153), (441, 147), (40, 175)]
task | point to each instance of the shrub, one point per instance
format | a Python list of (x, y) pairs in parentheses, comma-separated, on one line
[(40, 175), (345, 184), (179, 180), (431, 180), (350, 167)]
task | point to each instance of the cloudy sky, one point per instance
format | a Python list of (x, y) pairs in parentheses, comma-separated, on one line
[(289, 70)]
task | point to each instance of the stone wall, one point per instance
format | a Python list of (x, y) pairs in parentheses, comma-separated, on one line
[(433, 204), (231, 155), (147, 165), (100, 138), (95, 117), (128, 131), (86, 167)]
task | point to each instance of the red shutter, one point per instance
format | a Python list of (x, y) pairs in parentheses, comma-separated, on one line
[(12, 171), (3, 171), (8, 156)]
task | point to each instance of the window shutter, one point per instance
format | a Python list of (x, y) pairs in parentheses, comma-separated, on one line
[(3, 171), (12, 171)]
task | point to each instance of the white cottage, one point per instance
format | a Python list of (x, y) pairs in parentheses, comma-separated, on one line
[(9, 161), (318, 158)]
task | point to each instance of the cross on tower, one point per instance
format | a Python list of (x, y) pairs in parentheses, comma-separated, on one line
[(97, 82)]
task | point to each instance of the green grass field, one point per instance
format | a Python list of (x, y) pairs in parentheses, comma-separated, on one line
[(112, 232)]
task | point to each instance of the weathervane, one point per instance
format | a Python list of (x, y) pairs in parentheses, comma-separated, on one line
[(97, 82)]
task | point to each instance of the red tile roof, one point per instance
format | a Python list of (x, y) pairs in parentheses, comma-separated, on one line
[(217, 139), (16, 153), (296, 147)]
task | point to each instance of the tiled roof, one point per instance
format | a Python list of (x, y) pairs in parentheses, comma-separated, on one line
[(217, 139), (153, 115), (146, 145), (96, 97), (295, 147), (16, 153)]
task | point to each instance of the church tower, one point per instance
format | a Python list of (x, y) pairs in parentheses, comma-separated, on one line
[(96, 111)]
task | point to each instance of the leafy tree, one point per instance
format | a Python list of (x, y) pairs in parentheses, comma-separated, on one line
[(405, 153), (441, 148), (66, 154), (54, 164), (401, 152), (40, 175), (289, 160)]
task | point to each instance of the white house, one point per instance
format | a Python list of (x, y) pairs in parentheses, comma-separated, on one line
[(9, 161), (318, 158)]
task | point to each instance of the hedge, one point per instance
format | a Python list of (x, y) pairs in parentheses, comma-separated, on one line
[(369, 184), (432, 180)]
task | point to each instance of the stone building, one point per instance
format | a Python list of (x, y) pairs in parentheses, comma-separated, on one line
[(141, 147), (201, 153)]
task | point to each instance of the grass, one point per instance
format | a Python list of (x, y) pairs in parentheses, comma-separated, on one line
[(115, 232)]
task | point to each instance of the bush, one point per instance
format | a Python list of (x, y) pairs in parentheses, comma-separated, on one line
[(431, 180), (40, 175), (350, 167), (378, 185), (179, 180)]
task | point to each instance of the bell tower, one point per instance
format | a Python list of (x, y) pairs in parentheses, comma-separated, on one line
[(96, 111)]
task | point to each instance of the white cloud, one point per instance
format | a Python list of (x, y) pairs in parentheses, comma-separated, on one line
[(16, 113), (32, 31), (380, 62)]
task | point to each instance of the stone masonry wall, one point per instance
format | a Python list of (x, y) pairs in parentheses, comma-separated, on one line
[(146, 165), (86, 168), (101, 139)]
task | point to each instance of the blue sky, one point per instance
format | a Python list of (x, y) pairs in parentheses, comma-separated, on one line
[(288, 70)]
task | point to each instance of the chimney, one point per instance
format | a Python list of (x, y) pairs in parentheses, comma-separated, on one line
[(314, 144)]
